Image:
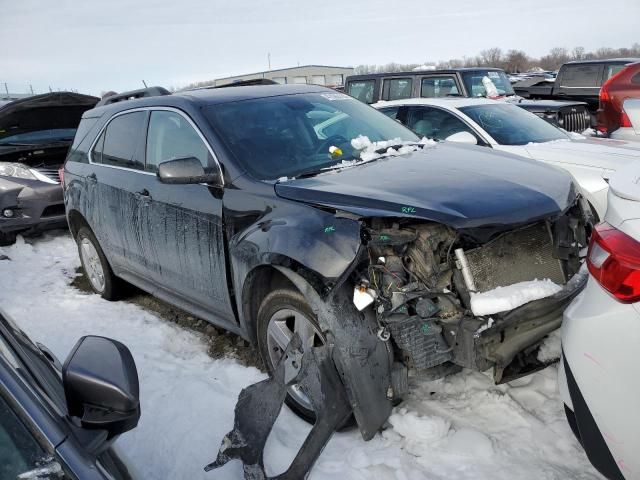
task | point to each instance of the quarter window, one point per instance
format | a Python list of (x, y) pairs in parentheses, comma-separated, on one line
[(397, 88), (362, 90), (119, 144), (171, 136)]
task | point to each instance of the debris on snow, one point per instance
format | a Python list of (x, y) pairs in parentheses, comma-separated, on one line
[(507, 298)]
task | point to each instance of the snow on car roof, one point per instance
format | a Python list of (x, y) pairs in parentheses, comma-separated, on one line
[(447, 102)]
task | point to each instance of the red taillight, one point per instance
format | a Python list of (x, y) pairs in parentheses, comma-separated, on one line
[(61, 175), (614, 261), (624, 119)]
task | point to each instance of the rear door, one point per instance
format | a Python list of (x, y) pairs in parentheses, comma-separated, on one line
[(182, 237), (114, 186)]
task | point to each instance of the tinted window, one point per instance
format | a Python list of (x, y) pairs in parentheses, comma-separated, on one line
[(362, 90), (171, 136), (474, 82), (612, 70), (435, 123), (512, 125), (433, 87), (580, 76), (122, 139), (282, 136), (19, 450), (396, 88), (391, 112)]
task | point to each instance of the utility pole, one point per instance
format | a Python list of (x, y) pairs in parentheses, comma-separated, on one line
[(6, 88), (31, 88), (145, 84), (269, 60)]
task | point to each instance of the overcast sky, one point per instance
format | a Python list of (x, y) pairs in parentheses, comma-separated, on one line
[(94, 46)]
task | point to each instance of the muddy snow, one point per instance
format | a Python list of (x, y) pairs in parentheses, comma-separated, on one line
[(463, 427)]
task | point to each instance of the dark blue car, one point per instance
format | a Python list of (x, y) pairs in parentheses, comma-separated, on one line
[(277, 210)]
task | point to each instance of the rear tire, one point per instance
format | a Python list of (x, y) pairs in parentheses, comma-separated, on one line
[(96, 267)]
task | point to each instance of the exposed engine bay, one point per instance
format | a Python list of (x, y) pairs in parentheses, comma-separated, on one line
[(421, 277)]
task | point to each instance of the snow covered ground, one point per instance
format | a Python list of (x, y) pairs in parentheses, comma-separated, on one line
[(463, 427)]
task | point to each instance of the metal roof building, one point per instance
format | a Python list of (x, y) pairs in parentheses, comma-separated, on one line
[(305, 74)]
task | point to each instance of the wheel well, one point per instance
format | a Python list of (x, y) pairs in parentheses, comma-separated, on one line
[(261, 281), (76, 222)]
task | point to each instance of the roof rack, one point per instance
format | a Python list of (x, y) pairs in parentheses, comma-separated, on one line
[(133, 94)]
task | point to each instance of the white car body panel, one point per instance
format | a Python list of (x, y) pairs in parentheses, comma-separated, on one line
[(591, 161), (631, 106), (600, 337)]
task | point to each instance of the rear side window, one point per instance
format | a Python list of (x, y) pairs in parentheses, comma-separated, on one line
[(362, 90), (396, 88), (581, 76), (171, 136), (636, 79), (435, 87), (119, 144)]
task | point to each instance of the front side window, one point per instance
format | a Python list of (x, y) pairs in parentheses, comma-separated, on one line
[(19, 451), (362, 90), (171, 136), (288, 135), (436, 87), (119, 144), (512, 125), (475, 80), (435, 123), (396, 88)]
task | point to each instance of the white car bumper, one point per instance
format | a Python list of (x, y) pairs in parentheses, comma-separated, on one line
[(600, 337)]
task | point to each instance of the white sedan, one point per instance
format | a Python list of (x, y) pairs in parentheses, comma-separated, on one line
[(504, 126), (599, 375)]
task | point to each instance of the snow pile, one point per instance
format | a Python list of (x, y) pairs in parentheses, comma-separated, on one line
[(551, 347), (369, 150), (463, 427), (503, 299)]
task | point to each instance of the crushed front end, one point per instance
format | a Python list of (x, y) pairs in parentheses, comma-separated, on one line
[(429, 286)]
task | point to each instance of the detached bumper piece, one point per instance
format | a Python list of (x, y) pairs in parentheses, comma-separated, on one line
[(259, 405)]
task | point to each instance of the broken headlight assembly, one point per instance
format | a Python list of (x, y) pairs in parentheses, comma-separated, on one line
[(16, 170)]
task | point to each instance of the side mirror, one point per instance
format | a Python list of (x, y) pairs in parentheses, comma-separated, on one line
[(462, 137), (187, 170), (101, 385)]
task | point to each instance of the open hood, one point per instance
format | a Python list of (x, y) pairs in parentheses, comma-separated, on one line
[(44, 112), (457, 185)]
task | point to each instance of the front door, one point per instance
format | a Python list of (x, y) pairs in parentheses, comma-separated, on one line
[(182, 232)]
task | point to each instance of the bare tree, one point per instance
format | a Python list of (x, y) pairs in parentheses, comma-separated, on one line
[(516, 61), (491, 57)]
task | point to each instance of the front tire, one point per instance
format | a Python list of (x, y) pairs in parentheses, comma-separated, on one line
[(281, 314), (96, 267)]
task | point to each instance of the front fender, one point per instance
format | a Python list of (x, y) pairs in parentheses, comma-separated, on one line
[(363, 361)]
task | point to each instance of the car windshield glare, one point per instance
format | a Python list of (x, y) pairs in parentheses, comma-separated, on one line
[(512, 125), (288, 135)]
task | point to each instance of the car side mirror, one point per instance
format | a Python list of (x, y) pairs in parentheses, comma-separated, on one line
[(187, 170), (101, 385), (462, 137)]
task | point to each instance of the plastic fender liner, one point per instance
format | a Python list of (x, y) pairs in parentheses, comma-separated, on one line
[(259, 405), (363, 361)]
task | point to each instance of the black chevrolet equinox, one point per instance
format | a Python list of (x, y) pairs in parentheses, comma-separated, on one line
[(276, 210)]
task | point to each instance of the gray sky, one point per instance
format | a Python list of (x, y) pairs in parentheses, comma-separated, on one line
[(94, 46)]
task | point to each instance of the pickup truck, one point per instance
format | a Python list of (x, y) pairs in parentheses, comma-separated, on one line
[(464, 82), (578, 80)]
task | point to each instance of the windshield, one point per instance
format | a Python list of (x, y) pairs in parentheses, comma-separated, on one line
[(40, 137), (289, 135), (473, 82), (512, 125)]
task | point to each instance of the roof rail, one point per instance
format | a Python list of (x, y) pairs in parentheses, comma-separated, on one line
[(133, 94)]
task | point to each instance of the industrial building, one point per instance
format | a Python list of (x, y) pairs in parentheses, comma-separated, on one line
[(310, 74)]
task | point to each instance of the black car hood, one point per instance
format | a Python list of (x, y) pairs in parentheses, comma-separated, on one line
[(44, 112), (545, 105), (460, 186)]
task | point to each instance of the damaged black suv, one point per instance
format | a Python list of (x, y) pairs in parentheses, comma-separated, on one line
[(279, 210)]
